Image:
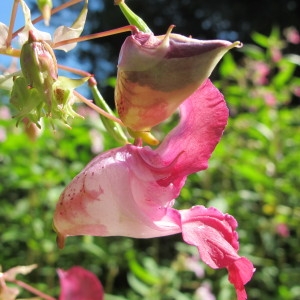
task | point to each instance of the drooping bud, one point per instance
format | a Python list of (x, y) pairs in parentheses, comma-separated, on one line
[(157, 73)]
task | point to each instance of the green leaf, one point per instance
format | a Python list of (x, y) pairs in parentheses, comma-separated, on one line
[(286, 71), (253, 52), (228, 65), (260, 39)]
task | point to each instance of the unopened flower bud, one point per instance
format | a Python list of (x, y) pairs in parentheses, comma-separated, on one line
[(39, 92), (39, 66)]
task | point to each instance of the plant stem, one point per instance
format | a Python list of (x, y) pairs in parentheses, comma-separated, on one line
[(12, 23), (32, 290), (97, 35), (97, 109)]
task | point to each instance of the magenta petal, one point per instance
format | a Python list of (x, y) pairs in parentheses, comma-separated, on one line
[(203, 117), (240, 272), (213, 233), (79, 284), (127, 191)]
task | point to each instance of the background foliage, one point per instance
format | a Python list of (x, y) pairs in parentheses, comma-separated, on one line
[(253, 174)]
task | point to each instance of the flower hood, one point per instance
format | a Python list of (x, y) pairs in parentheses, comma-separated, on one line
[(157, 73)]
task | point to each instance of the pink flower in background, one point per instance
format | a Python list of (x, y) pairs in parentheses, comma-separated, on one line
[(269, 98), (282, 230), (261, 71), (292, 35), (276, 54), (296, 91), (130, 191), (79, 284), (192, 263), (204, 292)]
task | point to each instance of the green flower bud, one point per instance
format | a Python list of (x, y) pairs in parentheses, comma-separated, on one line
[(39, 92), (39, 66)]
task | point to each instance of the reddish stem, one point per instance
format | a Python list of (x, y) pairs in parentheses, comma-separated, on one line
[(75, 71), (33, 290), (131, 28), (12, 23), (97, 108)]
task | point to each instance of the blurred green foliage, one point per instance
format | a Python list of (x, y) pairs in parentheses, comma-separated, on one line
[(253, 175)]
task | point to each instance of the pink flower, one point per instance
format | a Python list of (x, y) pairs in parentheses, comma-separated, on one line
[(130, 191), (157, 73), (261, 71), (292, 35), (204, 292), (282, 230), (79, 284)]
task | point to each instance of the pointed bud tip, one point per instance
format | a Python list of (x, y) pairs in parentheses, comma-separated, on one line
[(31, 37), (237, 44)]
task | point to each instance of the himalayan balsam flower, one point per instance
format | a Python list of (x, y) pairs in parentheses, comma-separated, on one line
[(130, 191), (144, 95)]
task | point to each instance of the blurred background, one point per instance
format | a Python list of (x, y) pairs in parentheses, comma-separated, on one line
[(253, 173)]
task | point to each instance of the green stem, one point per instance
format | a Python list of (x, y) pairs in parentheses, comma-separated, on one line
[(113, 128), (132, 18)]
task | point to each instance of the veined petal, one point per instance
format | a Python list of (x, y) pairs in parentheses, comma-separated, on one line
[(3, 35), (203, 117), (63, 33), (126, 191), (213, 233), (130, 191), (115, 195)]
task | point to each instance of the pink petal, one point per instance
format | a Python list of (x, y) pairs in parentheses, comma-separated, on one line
[(79, 284), (127, 191), (213, 233), (116, 195), (203, 117), (240, 272)]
